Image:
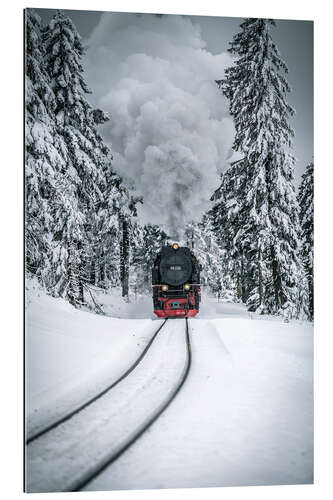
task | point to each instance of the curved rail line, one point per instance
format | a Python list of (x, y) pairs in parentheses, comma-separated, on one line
[(98, 395), (100, 467)]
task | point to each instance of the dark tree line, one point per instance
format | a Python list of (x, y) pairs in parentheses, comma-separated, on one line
[(255, 244), (258, 236), (79, 215), (305, 200)]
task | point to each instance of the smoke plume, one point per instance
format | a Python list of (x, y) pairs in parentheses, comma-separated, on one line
[(170, 131)]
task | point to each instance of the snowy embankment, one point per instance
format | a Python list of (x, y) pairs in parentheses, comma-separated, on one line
[(103, 428), (72, 354), (243, 417)]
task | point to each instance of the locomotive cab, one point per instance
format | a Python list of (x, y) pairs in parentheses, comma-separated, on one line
[(176, 282)]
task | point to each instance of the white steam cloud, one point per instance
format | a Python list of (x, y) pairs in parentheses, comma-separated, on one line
[(170, 130)]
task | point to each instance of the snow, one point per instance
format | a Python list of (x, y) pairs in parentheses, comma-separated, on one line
[(71, 354), (104, 427), (139, 306), (243, 417)]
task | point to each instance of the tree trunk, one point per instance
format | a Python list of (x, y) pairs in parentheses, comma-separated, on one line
[(239, 287), (279, 295), (243, 282), (260, 283), (124, 255), (79, 277), (70, 277), (75, 283), (148, 276), (310, 285), (92, 272), (102, 273)]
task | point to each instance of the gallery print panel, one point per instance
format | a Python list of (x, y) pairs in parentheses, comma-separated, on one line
[(168, 251)]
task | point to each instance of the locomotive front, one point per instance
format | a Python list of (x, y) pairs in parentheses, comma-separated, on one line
[(176, 283)]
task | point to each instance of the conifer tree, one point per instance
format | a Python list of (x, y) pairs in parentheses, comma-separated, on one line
[(42, 160), (74, 199), (257, 88), (103, 261), (146, 242), (137, 268), (305, 201), (215, 273), (154, 238), (127, 228), (228, 219), (86, 156), (51, 200)]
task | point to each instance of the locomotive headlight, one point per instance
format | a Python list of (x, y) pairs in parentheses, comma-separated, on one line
[(164, 288), (187, 287), (175, 246)]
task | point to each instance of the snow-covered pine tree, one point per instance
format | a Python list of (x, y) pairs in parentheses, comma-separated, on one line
[(257, 88), (137, 270), (124, 230), (146, 242), (87, 157), (127, 211), (227, 216), (103, 262), (190, 234), (305, 201), (215, 274), (42, 160), (154, 238)]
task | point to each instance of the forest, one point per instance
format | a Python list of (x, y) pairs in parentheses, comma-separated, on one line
[(255, 243)]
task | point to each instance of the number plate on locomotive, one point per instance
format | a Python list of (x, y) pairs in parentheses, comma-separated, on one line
[(176, 305)]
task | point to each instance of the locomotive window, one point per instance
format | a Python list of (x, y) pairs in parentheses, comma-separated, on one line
[(176, 268)]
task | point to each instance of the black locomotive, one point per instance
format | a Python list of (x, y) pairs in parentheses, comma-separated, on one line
[(176, 282)]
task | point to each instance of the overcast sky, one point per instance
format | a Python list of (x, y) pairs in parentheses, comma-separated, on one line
[(147, 70)]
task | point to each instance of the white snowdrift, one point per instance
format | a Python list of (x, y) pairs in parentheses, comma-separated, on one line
[(243, 417), (72, 354), (58, 460)]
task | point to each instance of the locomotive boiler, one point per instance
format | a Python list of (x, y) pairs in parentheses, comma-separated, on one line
[(176, 283)]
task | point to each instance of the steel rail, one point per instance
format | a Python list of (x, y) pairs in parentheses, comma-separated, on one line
[(108, 460), (84, 405)]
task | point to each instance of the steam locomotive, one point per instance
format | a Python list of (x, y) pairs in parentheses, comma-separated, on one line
[(176, 282)]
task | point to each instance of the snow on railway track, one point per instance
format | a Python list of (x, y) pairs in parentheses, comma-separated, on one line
[(244, 416), (69, 455), (57, 421)]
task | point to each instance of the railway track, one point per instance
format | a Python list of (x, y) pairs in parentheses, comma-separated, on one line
[(95, 471), (101, 393), (87, 468)]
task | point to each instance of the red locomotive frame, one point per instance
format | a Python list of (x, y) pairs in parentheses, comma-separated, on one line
[(187, 302)]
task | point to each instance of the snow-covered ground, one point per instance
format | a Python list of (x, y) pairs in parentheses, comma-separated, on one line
[(243, 417), (102, 428), (72, 354)]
